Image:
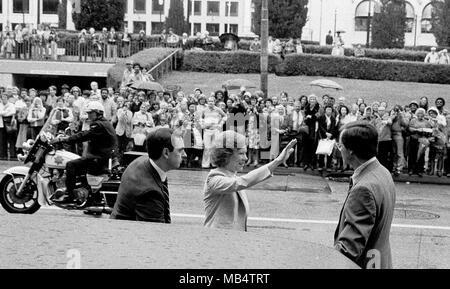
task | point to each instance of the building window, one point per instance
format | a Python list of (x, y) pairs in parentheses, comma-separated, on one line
[(21, 6), (197, 8), (362, 14), (426, 18), (139, 6), (125, 3), (50, 6), (213, 29), (233, 9), (410, 17), (1, 10), (197, 28), (139, 26), (233, 28), (213, 8), (156, 8), (157, 27)]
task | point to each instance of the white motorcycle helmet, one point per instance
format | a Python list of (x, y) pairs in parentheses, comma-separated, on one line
[(95, 106)]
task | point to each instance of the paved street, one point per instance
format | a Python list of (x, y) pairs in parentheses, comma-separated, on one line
[(294, 208)]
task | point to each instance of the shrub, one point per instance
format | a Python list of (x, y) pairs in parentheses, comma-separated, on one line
[(147, 58), (226, 62), (363, 68), (399, 54)]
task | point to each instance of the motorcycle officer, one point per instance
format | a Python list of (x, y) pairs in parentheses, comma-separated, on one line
[(102, 141)]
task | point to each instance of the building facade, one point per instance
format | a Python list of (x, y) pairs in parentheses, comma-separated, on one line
[(352, 17), (13, 12), (214, 16)]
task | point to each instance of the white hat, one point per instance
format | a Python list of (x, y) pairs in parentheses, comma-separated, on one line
[(95, 106)]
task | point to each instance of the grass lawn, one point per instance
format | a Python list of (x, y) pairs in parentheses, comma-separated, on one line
[(370, 91)]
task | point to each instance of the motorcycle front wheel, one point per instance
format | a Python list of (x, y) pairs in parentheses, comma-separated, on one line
[(25, 204)]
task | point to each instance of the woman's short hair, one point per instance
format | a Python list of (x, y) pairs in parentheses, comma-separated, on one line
[(225, 144), (361, 138)]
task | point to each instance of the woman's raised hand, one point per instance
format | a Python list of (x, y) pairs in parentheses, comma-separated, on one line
[(286, 153)]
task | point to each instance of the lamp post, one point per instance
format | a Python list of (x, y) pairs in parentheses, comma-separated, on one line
[(229, 15), (416, 18), (264, 47), (161, 2), (335, 22), (368, 24)]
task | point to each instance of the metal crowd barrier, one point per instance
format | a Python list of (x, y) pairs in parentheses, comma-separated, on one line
[(73, 51)]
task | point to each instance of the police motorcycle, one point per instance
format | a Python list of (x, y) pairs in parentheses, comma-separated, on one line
[(41, 181)]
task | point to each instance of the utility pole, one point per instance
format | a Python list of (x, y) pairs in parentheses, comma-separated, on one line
[(264, 47)]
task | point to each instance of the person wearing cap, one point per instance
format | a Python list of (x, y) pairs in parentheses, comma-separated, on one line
[(64, 89), (127, 73), (102, 142), (432, 57)]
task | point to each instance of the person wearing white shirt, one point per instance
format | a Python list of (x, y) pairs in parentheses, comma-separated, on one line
[(124, 126), (142, 125), (432, 57), (212, 120)]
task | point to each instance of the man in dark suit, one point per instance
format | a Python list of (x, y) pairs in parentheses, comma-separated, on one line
[(365, 220), (327, 130), (143, 192)]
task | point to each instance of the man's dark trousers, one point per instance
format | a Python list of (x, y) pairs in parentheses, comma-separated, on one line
[(81, 167)]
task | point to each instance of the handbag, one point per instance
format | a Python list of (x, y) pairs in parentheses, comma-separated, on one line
[(325, 147), (12, 126)]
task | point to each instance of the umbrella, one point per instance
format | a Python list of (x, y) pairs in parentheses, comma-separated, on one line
[(325, 83), (238, 83), (229, 37), (147, 85)]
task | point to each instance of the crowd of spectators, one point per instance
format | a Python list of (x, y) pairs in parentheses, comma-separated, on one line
[(413, 137), (45, 43)]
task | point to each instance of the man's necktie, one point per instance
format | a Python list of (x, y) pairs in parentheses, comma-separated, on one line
[(167, 206)]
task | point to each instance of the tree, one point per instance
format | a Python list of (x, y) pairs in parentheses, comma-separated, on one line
[(62, 14), (389, 25), (99, 14), (440, 22), (175, 19), (286, 17)]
